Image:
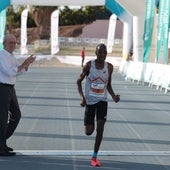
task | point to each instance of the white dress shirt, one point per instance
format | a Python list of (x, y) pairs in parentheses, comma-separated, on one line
[(8, 67)]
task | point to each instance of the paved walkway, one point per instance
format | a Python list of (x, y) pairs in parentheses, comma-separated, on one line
[(50, 135)]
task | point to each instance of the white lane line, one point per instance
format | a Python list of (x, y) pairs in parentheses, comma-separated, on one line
[(70, 125), (70, 117), (88, 153)]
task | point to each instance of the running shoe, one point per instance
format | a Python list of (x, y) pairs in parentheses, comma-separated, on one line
[(95, 162)]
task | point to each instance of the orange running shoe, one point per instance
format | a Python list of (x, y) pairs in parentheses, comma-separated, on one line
[(95, 162)]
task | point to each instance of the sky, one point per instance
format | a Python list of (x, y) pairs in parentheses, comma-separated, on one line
[(71, 7)]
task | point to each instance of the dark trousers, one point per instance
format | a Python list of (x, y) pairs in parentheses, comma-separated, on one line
[(82, 61), (10, 113)]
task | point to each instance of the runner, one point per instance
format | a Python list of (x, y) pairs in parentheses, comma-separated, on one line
[(98, 75)]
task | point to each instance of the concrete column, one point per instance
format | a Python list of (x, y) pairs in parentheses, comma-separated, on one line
[(127, 38), (138, 27)]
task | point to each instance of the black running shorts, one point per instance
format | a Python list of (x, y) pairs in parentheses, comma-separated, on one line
[(99, 110)]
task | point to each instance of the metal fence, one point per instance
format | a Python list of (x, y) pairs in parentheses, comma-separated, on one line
[(70, 42), (65, 41)]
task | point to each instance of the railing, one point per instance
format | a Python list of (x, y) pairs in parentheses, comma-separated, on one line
[(70, 42)]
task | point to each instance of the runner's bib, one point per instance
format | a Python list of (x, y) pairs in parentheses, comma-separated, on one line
[(97, 89)]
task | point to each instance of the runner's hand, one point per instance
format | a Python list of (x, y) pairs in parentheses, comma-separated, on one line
[(116, 98), (83, 103)]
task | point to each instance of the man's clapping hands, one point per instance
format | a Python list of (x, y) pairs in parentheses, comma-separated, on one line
[(26, 63)]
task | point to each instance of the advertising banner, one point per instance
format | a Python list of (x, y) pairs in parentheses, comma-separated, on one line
[(148, 29), (24, 17), (54, 32), (163, 31), (111, 33)]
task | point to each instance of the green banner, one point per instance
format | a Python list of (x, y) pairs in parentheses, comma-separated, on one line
[(2, 26), (163, 31), (148, 29)]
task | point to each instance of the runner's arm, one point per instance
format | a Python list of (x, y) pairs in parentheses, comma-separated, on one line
[(84, 73), (116, 98)]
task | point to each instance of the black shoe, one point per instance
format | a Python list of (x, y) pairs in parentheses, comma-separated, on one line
[(7, 153), (9, 149)]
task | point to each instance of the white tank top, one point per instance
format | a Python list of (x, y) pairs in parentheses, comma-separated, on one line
[(96, 84)]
